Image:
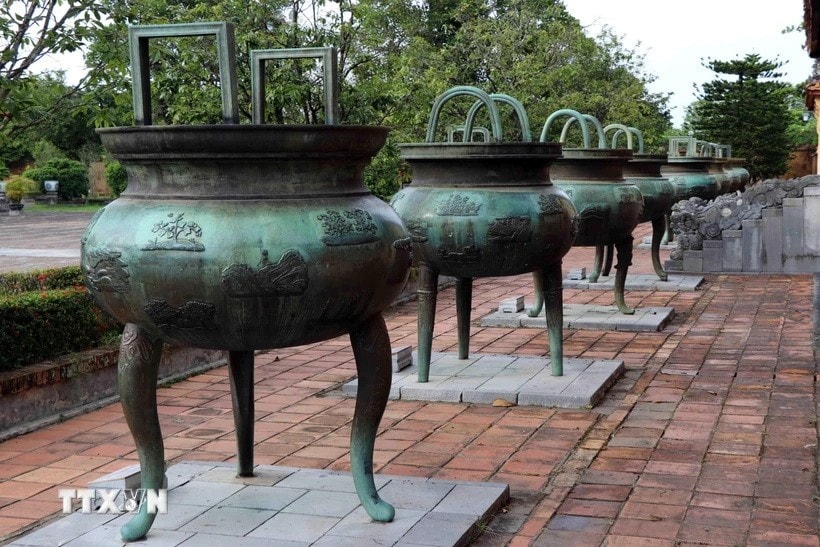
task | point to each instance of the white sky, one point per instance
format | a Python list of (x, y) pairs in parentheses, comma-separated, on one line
[(675, 36)]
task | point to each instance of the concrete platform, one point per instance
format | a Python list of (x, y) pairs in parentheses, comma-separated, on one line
[(505, 380), (588, 317), (640, 282), (646, 243), (285, 506)]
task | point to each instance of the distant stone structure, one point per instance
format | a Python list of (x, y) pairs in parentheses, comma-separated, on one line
[(774, 226)]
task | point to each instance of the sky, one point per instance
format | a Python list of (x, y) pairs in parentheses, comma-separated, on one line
[(674, 37)]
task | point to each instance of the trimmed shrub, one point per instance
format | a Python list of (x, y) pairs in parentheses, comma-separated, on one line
[(40, 280), (36, 326), (116, 178), (17, 187), (4, 170), (73, 177)]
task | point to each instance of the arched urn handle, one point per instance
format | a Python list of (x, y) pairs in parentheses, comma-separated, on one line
[(582, 119), (330, 73), (523, 119), (453, 129), (621, 129), (458, 91), (138, 37)]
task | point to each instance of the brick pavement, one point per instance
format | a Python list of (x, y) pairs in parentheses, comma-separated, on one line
[(709, 438)]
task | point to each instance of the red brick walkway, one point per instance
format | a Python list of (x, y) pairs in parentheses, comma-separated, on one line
[(709, 438)]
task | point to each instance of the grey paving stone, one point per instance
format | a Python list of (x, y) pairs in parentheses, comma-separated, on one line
[(481, 397), (322, 479), (401, 357), (441, 529), (203, 493), (64, 530), (425, 392), (339, 541), (473, 501), (500, 361), (596, 317), (294, 527), (512, 305), (214, 540), (180, 473), (264, 497), (177, 516), (224, 519), (358, 524), (127, 477), (324, 504), (110, 535), (415, 493)]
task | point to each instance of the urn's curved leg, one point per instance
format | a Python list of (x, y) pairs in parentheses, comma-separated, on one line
[(553, 296), (669, 236), (658, 228), (464, 305), (371, 347), (138, 367), (624, 248), (609, 251), (240, 364), (598, 265), (537, 281), (427, 293)]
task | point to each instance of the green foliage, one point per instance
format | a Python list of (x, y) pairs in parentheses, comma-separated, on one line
[(44, 151), (17, 187), (40, 325), (73, 177), (750, 111), (4, 171), (116, 178), (40, 280)]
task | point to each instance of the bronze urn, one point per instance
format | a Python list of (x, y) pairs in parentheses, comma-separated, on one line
[(244, 237)]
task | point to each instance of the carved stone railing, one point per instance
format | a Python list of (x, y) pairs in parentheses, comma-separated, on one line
[(696, 220)]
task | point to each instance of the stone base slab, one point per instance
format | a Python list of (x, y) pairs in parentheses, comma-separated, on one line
[(646, 243), (588, 317), (209, 505), (640, 282), (505, 380)]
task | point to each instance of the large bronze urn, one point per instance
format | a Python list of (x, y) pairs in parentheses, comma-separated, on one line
[(644, 171), (484, 209), (609, 207), (245, 237)]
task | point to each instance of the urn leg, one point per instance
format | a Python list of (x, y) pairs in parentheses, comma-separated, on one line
[(427, 292), (464, 304), (658, 229), (138, 367), (598, 265), (240, 364), (624, 248), (609, 251), (669, 236), (554, 300), (537, 281), (371, 348)]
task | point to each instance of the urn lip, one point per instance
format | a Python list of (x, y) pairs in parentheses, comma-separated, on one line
[(480, 150), (244, 140), (598, 154)]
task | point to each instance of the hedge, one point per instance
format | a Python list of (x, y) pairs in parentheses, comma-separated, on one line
[(40, 280), (47, 313), (72, 175)]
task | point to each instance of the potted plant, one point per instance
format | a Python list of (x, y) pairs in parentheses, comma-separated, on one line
[(16, 188)]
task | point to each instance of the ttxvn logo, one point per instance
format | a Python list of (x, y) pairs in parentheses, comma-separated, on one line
[(114, 500)]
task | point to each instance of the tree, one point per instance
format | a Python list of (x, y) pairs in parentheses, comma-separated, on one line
[(29, 31), (749, 110)]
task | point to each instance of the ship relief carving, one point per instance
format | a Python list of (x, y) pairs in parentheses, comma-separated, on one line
[(509, 230), (417, 229), (192, 315), (175, 234), (550, 205), (465, 255), (353, 227), (287, 277), (106, 272), (458, 205)]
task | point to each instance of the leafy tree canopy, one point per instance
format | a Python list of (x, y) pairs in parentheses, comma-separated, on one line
[(748, 109)]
